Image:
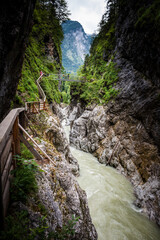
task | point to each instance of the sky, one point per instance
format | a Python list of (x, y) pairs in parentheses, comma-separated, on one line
[(87, 12)]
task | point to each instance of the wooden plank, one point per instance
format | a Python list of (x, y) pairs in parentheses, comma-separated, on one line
[(6, 198), (5, 153), (16, 139), (41, 106), (6, 171), (36, 109), (13, 153), (44, 105), (67, 80), (45, 154), (22, 119), (30, 147), (1, 204), (7, 125), (40, 89), (29, 108)]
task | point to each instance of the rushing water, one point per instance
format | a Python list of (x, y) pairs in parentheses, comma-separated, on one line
[(110, 198)]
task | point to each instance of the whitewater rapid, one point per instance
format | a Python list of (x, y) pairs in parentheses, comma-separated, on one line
[(110, 198)]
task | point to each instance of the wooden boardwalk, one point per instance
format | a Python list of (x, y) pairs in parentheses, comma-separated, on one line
[(12, 132), (66, 78)]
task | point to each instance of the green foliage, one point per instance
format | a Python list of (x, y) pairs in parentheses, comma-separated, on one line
[(149, 14), (25, 153), (66, 92), (39, 232), (17, 227), (99, 76), (47, 29), (51, 90), (104, 42), (24, 182), (98, 88), (66, 232)]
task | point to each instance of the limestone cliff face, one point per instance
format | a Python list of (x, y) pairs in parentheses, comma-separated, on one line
[(75, 46), (51, 51), (137, 40), (121, 141), (15, 25), (137, 36)]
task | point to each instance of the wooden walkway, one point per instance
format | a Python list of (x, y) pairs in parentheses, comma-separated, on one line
[(12, 132), (66, 78)]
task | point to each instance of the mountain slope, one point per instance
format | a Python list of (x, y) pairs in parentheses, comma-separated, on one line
[(75, 46)]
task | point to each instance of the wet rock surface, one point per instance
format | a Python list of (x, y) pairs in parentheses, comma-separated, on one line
[(59, 197), (15, 25), (124, 135)]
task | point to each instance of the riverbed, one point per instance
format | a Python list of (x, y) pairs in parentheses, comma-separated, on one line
[(110, 198)]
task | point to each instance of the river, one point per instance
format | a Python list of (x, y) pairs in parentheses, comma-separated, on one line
[(110, 199)]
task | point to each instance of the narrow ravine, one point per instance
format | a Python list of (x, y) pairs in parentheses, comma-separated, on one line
[(110, 198)]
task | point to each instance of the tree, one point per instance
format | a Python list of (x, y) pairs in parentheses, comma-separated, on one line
[(61, 8)]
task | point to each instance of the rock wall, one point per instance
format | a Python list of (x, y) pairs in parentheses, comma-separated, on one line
[(15, 25), (74, 54), (58, 190), (138, 46), (119, 137), (51, 51), (137, 36), (125, 132)]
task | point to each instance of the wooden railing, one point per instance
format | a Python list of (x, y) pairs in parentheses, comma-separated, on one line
[(66, 77), (35, 107), (12, 129), (41, 92), (12, 132), (9, 147)]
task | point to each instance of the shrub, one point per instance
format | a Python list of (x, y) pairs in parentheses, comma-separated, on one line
[(24, 181)]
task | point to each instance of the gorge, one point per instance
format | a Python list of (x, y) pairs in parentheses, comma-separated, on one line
[(114, 117)]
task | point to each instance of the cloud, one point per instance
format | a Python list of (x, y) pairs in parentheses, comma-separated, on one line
[(87, 12)]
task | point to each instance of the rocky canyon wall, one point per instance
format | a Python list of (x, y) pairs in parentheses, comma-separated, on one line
[(125, 132), (58, 189), (137, 41), (15, 25)]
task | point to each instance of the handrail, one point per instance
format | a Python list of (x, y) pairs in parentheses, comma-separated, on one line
[(35, 143), (10, 137), (37, 105), (65, 77), (9, 146), (40, 89), (7, 125)]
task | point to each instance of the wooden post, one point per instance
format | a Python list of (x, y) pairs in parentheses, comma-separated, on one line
[(9, 145), (33, 107), (16, 140), (1, 204), (22, 119), (28, 107), (44, 105), (31, 148), (44, 153)]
